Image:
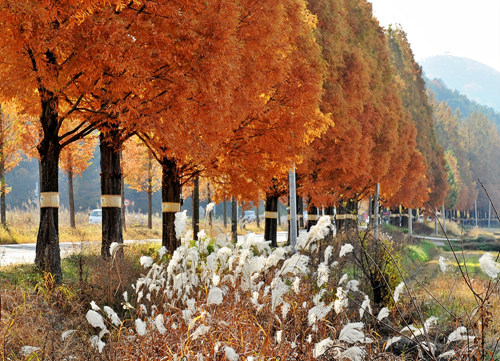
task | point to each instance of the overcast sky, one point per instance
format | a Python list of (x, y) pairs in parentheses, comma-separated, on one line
[(466, 28)]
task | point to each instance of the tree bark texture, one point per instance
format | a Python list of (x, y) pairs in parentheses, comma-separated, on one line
[(111, 185), (150, 193), (196, 208), (171, 193), (71, 198), (313, 212), (3, 214), (124, 209), (347, 209), (271, 223), (48, 256), (257, 218), (234, 220), (224, 207)]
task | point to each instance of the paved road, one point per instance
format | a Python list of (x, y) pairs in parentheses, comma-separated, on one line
[(25, 253)]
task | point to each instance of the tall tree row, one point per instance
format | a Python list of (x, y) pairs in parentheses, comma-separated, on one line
[(238, 92), (415, 101)]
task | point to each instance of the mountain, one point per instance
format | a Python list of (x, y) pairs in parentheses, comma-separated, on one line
[(477, 81), (457, 101)]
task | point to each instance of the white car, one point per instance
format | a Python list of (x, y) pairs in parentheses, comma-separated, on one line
[(95, 216)]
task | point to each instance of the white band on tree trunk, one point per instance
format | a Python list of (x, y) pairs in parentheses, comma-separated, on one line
[(312, 217), (111, 201), (49, 200), (272, 215), (170, 207), (347, 216)]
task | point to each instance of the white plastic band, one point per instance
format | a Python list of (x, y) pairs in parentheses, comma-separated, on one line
[(347, 216), (170, 207), (111, 201), (312, 217), (49, 200), (395, 215), (405, 215), (272, 215)]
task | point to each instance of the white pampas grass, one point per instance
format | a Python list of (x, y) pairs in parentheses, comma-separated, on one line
[(442, 264), (391, 341), (215, 296), (460, 334), (66, 334), (162, 251), (115, 320), (365, 306), (447, 354), (94, 306), (160, 324), (354, 353), (345, 249), (328, 253), (180, 224), (384, 312), (321, 347), (95, 319), (318, 312), (323, 273), (296, 285), (97, 343), (488, 265), (231, 354), (278, 336), (28, 350), (140, 327), (114, 248), (209, 209), (146, 261), (297, 264), (341, 301), (397, 291), (200, 331), (351, 333)]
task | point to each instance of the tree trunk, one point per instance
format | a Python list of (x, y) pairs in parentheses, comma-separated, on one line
[(171, 198), (196, 208), (71, 198), (210, 219), (257, 218), (404, 217), (300, 213), (234, 220), (225, 212), (111, 190), (3, 214), (124, 209), (312, 218), (150, 193), (271, 216), (48, 256)]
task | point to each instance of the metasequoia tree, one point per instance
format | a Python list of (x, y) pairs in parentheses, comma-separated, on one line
[(56, 58), (449, 127), (281, 117), (415, 100), (141, 171), (11, 137), (268, 103), (344, 164), (75, 158)]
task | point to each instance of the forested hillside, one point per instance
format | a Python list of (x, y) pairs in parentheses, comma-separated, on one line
[(458, 101), (476, 80)]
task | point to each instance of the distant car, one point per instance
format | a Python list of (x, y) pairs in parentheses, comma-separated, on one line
[(249, 216), (95, 216)]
